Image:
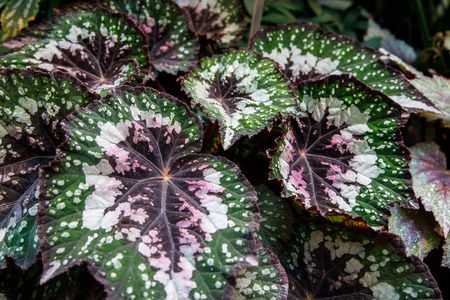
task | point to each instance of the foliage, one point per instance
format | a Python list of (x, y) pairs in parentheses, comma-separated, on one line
[(273, 171)]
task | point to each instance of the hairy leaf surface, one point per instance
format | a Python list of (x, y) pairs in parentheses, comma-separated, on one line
[(31, 107), (331, 262), (220, 20), (304, 51), (242, 90), (129, 196), (431, 181), (347, 154), (16, 14), (173, 45), (101, 49)]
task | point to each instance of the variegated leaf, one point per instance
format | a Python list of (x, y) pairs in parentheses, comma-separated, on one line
[(16, 15), (31, 106), (266, 281), (347, 154), (102, 49), (129, 196), (242, 90), (325, 261), (431, 181), (173, 45), (446, 257), (304, 51), (417, 228), (220, 20), (276, 220)]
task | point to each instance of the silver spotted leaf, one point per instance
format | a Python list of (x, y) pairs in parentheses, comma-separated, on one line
[(431, 181), (305, 51), (103, 50), (325, 261), (129, 196), (446, 257), (347, 154), (220, 20), (276, 220), (31, 106), (173, 45), (242, 90), (417, 228), (266, 281), (16, 14)]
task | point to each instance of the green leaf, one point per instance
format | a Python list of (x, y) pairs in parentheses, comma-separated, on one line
[(347, 154), (417, 228), (242, 90), (129, 195), (325, 261), (73, 47), (31, 106), (305, 51), (16, 15), (446, 257)]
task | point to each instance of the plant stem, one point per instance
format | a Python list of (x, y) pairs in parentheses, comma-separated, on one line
[(423, 24), (257, 16)]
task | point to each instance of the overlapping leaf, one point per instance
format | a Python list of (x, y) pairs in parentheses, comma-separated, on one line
[(16, 14), (152, 219), (173, 45), (220, 20), (101, 49), (332, 262), (431, 181), (304, 51), (347, 154), (242, 90), (31, 107), (446, 257)]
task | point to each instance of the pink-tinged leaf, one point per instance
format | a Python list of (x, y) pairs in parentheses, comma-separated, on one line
[(431, 181), (325, 261), (242, 90), (102, 49), (221, 20), (129, 196), (305, 51), (347, 154)]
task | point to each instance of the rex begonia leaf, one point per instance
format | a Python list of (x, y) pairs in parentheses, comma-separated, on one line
[(220, 20), (446, 257), (347, 154), (102, 49), (31, 106), (16, 14), (129, 196), (325, 261), (276, 220), (417, 228), (305, 51), (266, 281), (242, 90), (431, 181), (437, 89), (173, 45)]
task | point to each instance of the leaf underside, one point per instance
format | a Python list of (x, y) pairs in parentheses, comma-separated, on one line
[(16, 15), (242, 90), (152, 218), (331, 262), (31, 106), (347, 154), (102, 49), (305, 51), (221, 20)]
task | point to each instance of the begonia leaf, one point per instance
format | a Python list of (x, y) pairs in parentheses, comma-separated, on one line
[(31, 106), (431, 181), (276, 220), (347, 154), (266, 281), (417, 228), (325, 261), (173, 45), (220, 20), (152, 218), (305, 51), (242, 90), (16, 15), (102, 49), (446, 257)]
